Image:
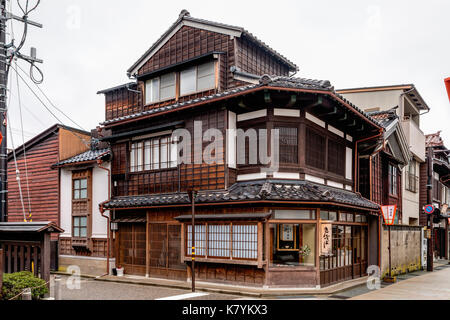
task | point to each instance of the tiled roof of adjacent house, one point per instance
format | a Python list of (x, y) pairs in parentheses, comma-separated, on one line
[(264, 82), (90, 155), (254, 191), (434, 140), (384, 118)]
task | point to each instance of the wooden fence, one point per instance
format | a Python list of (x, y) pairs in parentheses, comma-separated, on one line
[(22, 256)]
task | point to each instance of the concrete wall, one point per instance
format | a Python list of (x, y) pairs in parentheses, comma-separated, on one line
[(405, 252), (88, 266)]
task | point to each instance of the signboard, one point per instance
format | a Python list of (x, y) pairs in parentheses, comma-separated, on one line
[(429, 209), (287, 232), (424, 248), (326, 239), (389, 213)]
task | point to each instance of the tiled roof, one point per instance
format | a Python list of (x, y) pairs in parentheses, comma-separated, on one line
[(254, 191), (185, 15), (384, 118), (90, 155), (265, 81)]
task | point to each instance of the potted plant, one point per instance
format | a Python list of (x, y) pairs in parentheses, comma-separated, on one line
[(119, 270)]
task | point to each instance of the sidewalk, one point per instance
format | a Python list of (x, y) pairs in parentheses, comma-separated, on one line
[(430, 286)]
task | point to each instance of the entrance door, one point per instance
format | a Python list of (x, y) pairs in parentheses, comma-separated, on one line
[(132, 248), (165, 251)]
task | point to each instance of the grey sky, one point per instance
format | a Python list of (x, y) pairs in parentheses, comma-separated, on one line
[(89, 45)]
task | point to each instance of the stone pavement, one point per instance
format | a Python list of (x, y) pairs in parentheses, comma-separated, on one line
[(429, 286)]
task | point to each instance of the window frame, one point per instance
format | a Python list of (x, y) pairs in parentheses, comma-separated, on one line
[(160, 88), (138, 154), (196, 68), (393, 180)]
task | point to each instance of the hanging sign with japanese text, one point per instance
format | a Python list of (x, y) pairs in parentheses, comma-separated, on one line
[(389, 213), (326, 239)]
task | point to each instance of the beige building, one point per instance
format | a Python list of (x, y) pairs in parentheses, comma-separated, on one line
[(409, 106)]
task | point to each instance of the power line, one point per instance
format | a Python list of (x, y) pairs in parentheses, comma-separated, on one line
[(52, 104)]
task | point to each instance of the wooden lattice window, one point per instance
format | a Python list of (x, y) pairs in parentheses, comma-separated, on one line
[(336, 157), (224, 241), (288, 145), (315, 149), (153, 154)]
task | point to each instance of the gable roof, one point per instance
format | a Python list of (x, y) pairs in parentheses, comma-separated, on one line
[(393, 135), (185, 19), (42, 136)]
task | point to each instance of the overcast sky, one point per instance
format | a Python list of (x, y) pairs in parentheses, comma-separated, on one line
[(88, 46)]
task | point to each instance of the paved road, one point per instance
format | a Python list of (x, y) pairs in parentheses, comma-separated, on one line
[(91, 289), (430, 286)]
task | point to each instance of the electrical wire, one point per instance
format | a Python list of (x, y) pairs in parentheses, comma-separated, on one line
[(51, 103), (23, 142), (47, 108)]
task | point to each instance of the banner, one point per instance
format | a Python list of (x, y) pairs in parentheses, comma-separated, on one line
[(389, 213), (326, 233)]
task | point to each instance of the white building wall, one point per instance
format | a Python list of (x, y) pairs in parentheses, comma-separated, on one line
[(66, 202), (99, 195), (410, 201)]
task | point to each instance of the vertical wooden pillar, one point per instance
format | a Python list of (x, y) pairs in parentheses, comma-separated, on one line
[(45, 258), (147, 247), (268, 253), (260, 245)]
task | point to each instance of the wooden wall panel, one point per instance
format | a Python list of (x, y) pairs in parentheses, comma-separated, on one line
[(43, 182), (72, 143)]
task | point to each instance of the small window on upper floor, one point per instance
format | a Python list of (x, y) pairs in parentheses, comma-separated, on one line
[(198, 78), (160, 88)]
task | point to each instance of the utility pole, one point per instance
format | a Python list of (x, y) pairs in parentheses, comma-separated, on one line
[(3, 94), (430, 249), (192, 195), (8, 52)]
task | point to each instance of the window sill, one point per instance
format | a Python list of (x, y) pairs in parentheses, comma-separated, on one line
[(153, 171)]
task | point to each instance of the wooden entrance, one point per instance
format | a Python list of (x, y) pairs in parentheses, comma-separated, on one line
[(165, 251), (132, 248)]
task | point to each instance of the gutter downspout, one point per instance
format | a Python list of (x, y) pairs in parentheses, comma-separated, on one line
[(102, 212)]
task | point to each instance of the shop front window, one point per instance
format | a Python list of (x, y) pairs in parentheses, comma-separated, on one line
[(292, 244)]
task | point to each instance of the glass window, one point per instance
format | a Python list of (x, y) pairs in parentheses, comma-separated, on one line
[(80, 227), (167, 90), (188, 81), (206, 76), (80, 189), (294, 214), (219, 241), (393, 180), (288, 145), (153, 154), (152, 91), (293, 244), (328, 215)]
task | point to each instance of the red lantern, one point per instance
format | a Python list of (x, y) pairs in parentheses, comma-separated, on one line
[(447, 85)]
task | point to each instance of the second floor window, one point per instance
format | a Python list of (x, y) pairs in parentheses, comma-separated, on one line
[(198, 78), (153, 154), (160, 88), (393, 174), (411, 179), (315, 149), (288, 145), (80, 189)]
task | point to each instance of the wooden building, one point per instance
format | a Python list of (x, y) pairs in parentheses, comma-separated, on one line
[(303, 224), (438, 161), (84, 181), (38, 197)]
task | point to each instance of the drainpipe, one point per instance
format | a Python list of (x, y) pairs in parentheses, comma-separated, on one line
[(102, 212)]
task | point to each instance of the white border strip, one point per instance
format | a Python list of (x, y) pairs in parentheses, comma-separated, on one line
[(252, 176), (317, 121), (286, 113), (252, 115)]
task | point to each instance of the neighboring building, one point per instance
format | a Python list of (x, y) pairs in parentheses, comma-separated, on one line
[(254, 226), (409, 107), (381, 173), (440, 190), (83, 187), (38, 197)]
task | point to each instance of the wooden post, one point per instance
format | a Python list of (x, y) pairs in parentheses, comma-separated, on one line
[(147, 247), (1, 269), (45, 258), (390, 266)]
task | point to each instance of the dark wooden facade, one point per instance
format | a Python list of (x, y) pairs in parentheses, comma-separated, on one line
[(150, 241), (53, 145)]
